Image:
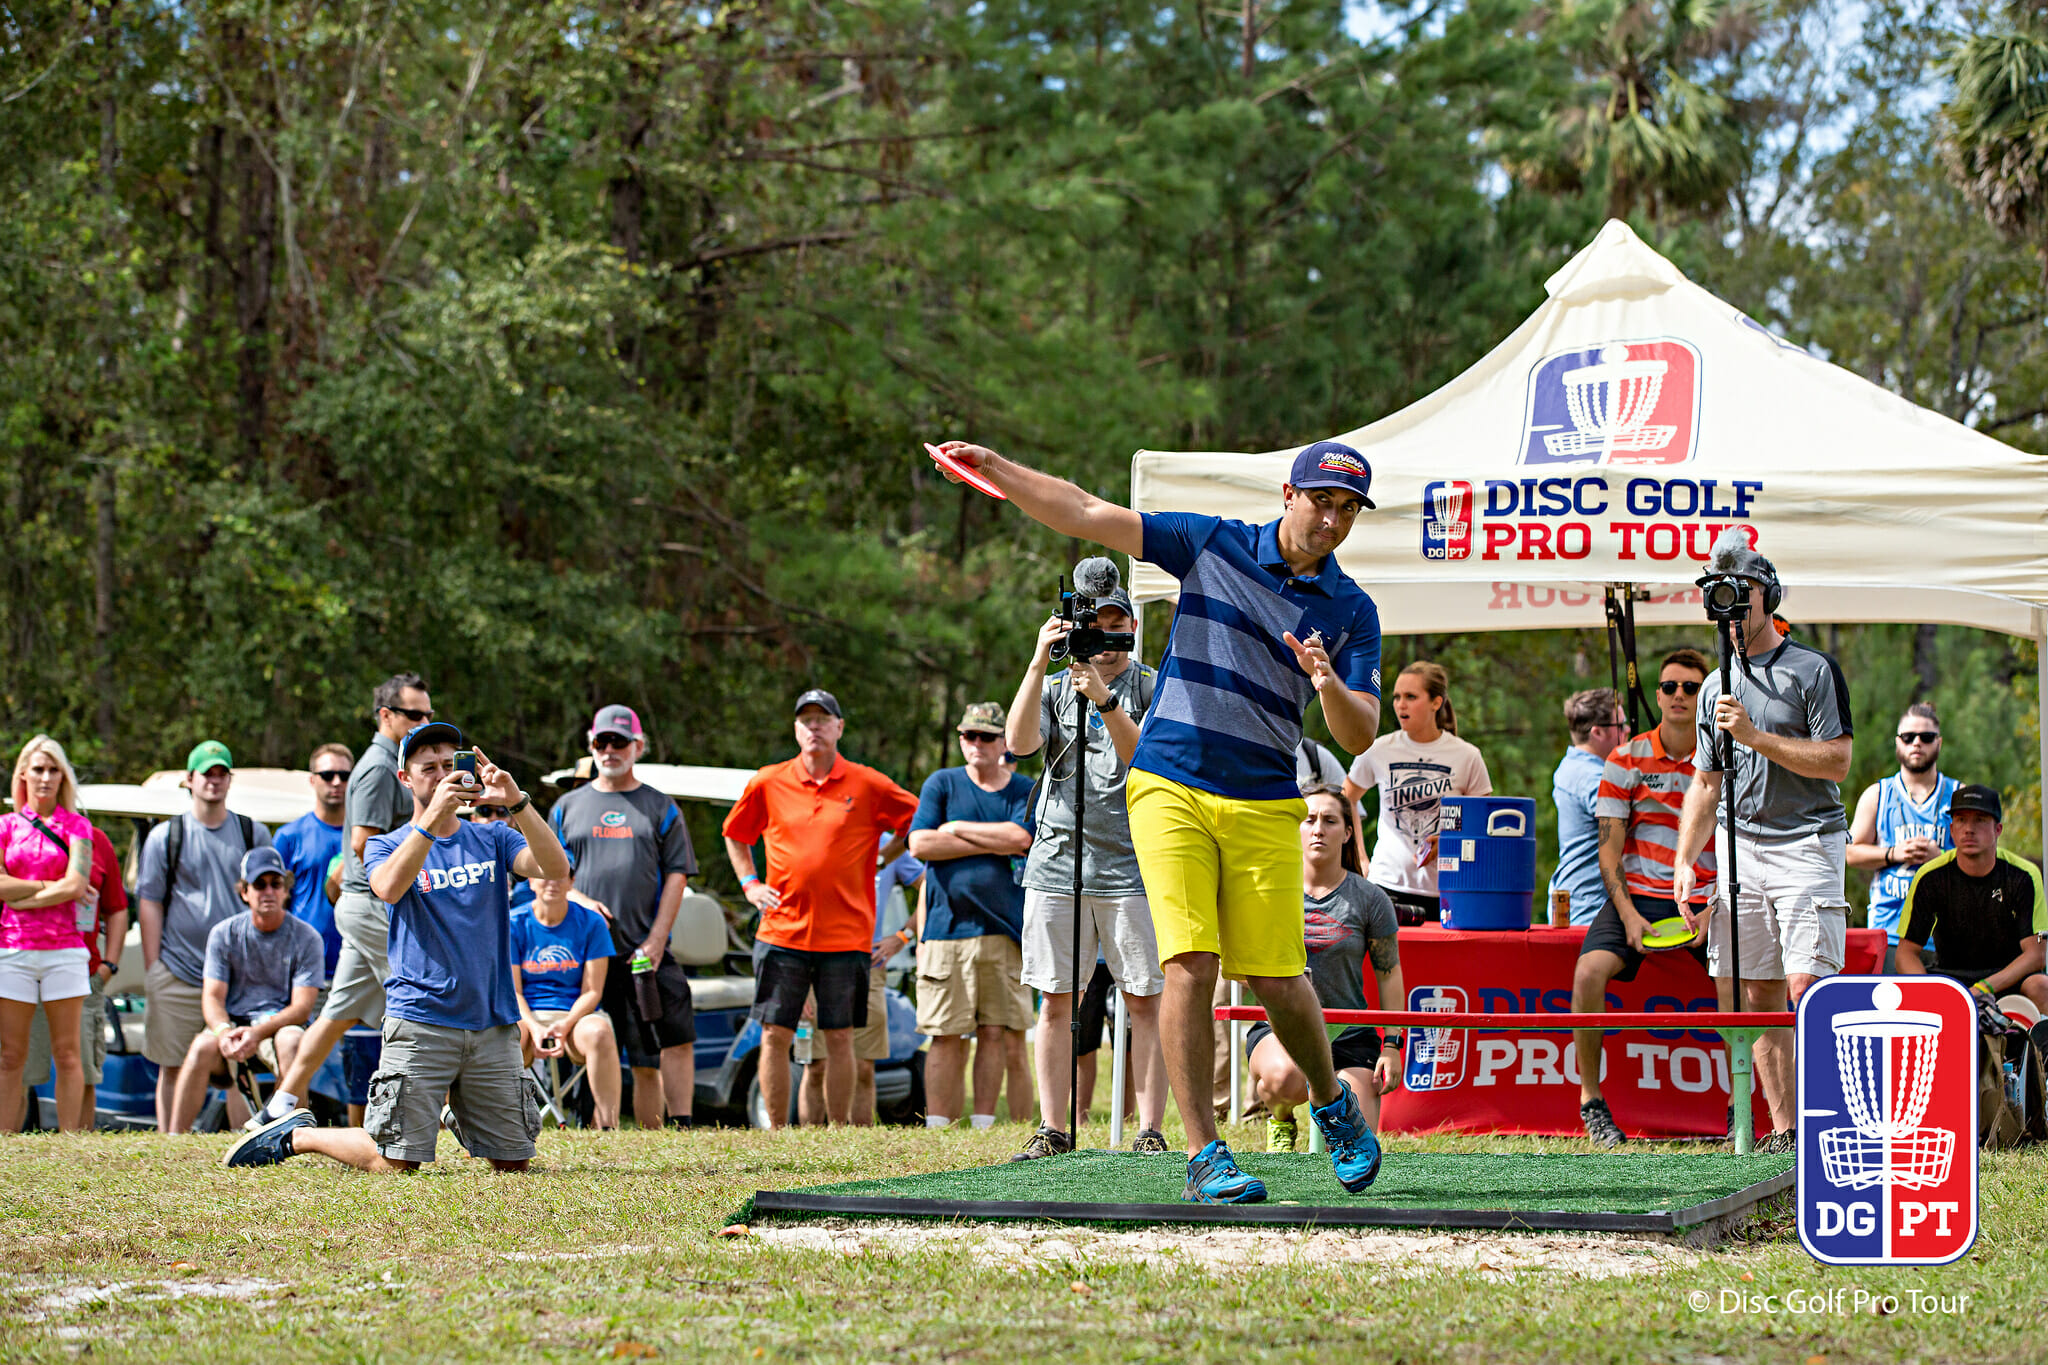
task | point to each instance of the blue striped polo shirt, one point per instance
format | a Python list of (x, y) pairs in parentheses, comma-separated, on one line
[(1226, 714)]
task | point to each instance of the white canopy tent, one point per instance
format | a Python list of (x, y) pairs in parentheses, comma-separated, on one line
[(1615, 434)]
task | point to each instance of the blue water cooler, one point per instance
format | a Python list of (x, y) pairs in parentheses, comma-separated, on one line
[(1486, 861)]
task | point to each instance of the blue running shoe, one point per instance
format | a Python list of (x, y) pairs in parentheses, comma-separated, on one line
[(1354, 1151), (270, 1144), (1213, 1178)]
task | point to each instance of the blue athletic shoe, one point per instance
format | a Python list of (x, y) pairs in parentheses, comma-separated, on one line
[(1213, 1178), (270, 1144), (1354, 1151)]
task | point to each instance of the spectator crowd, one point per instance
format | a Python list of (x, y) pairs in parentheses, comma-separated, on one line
[(424, 940)]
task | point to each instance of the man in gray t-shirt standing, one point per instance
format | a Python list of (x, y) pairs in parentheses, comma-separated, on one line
[(178, 907), (1115, 918), (376, 804), (1788, 713)]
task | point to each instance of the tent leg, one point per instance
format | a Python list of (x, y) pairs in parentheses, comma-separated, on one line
[(2041, 676), (1741, 1072), (1119, 1059), (1236, 1057)]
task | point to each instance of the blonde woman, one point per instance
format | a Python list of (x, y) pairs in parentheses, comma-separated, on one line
[(45, 861)]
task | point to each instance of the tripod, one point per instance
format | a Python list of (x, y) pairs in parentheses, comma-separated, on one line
[(1741, 1067), (1080, 813)]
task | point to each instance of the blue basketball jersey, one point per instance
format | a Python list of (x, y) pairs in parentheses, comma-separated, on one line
[(1899, 817)]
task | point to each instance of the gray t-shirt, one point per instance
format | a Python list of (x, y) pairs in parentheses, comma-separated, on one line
[(1795, 691), (209, 865), (1109, 866), (262, 969), (375, 798), (1354, 922), (625, 845)]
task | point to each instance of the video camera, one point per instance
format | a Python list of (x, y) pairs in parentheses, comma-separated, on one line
[(1094, 580), (1725, 597), (1724, 588)]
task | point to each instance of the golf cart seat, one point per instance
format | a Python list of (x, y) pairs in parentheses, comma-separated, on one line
[(700, 939)]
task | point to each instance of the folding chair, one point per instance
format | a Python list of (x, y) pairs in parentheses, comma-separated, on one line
[(552, 1088)]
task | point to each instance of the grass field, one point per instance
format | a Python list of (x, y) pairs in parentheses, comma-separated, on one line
[(137, 1247)]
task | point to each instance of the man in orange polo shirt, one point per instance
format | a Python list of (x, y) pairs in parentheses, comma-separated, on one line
[(823, 818)]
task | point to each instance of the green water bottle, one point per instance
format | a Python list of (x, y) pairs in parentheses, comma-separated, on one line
[(646, 991)]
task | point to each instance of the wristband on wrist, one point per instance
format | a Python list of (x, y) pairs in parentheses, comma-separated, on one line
[(749, 880), (525, 800)]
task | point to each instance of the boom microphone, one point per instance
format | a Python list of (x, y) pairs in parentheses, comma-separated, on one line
[(1730, 553), (1097, 576)]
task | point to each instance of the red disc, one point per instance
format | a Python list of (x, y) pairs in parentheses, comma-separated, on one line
[(972, 477)]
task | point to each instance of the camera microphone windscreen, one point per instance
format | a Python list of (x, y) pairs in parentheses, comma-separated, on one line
[(1097, 576), (1731, 553)]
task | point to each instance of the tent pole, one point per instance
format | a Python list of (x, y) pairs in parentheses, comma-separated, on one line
[(2041, 714)]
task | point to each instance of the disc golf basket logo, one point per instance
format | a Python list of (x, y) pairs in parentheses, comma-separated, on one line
[(1436, 1056), (1447, 520), (1886, 1143), (1888, 1119), (1624, 403)]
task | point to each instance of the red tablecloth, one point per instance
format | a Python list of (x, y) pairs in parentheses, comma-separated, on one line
[(1663, 1084)]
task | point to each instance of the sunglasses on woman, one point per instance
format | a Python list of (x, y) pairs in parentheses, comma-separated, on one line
[(1669, 687)]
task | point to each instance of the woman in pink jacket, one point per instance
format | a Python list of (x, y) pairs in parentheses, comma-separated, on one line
[(45, 912)]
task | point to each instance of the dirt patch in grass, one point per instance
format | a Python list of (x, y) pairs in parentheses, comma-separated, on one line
[(1404, 1255)]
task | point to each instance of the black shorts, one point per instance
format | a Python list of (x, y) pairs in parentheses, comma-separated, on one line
[(1606, 934), (785, 977), (1095, 1008), (641, 1040), (1411, 909), (1357, 1046)]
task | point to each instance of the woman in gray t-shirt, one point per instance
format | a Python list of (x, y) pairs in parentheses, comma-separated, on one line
[(1347, 920)]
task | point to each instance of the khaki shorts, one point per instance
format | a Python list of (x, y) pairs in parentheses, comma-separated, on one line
[(1119, 927), (173, 1018), (1793, 919), (92, 1041), (477, 1069), (546, 1018), (871, 1040), (969, 983), (357, 991)]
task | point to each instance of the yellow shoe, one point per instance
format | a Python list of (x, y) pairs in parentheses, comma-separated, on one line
[(1280, 1133)]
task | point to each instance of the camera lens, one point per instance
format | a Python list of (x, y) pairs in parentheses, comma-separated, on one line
[(1722, 596)]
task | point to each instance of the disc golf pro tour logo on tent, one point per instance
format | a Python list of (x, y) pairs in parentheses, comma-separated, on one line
[(1622, 403), (1887, 1120), (1436, 1056), (1447, 520)]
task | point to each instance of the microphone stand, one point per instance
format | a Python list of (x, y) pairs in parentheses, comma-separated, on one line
[(1740, 1063), (1074, 1001)]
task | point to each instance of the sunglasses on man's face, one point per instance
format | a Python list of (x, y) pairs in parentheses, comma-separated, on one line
[(611, 742), (1919, 736), (1669, 687), (269, 881), (979, 736), (332, 775), (416, 717)]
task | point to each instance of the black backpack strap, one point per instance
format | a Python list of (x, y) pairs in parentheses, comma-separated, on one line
[(248, 832), (174, 848)]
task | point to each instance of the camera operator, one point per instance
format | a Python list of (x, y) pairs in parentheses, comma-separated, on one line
[(1114, 915), (1788, 713), (1268, 623)]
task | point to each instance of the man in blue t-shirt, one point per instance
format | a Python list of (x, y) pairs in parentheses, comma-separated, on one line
[(311, 842), (561, 963), (451, 1016), (970, 961), (1267, 623), (1595, 721)]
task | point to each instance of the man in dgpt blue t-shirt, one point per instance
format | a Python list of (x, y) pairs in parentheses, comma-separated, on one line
[(561, 965), (1267, 623), (451, 1015), (970, 822)]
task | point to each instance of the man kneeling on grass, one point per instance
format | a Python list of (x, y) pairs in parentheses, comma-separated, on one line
[(451, 1020)]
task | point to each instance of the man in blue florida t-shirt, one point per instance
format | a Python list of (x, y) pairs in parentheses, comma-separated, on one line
[(561, 961), (451, 1018), (970, 963), (1267, 623)]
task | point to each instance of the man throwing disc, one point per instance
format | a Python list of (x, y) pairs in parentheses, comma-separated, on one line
[(1267, 623)]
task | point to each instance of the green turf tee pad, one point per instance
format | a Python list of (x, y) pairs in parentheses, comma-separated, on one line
[(1608, 1192)]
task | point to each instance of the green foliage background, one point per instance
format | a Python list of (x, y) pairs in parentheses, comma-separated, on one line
[(571, 353)]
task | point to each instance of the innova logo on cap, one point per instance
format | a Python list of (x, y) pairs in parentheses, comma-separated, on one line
[(1341, 462), (1887, 1120), (1436, 1056), (1620, 403)]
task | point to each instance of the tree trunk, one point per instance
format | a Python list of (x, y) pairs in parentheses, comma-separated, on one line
[(252, 301), (105, 486), (1923, 659)]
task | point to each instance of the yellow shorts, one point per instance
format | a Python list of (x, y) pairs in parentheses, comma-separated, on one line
[(1223, 876)]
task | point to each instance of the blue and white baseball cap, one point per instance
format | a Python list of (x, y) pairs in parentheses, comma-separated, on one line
[(1332, 464)]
